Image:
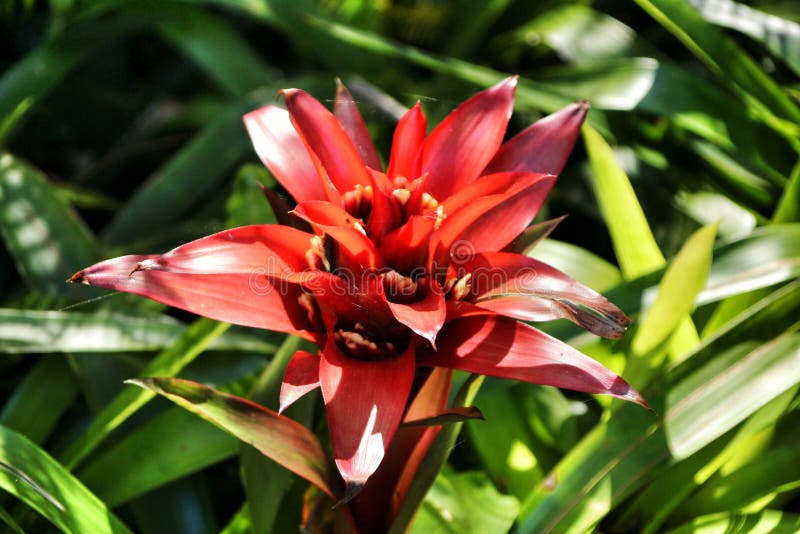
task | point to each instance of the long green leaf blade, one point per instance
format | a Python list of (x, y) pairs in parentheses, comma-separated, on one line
[(79, 510)]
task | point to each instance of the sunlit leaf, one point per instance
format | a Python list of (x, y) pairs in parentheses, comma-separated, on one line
[(781, 36), (465, 503), (766, 522), (44, 236), (56, 494), (27, 331), (682, 281)]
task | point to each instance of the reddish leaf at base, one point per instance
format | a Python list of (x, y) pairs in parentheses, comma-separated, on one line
[(505, 348), (281, 439)]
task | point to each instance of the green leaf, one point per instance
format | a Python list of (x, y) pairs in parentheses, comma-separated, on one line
[(80, 511), (769, 475), (721, 395), (165, 448), (720, 54), (280, 438), (788, 209), (781, 36), (170, 362), (247, 204), (47, 390), (636, 249), (707, 207), (45, 237), (682, 282), (581, 34), (582, 265), (503, 442), (682, 479), (25, 84), (196, 170), (766, 522), (768, 256), (33, 331), (633, 447), (240, 523), (217, 49), (634, 244), (752, 189), (266, 482), (465, 503)]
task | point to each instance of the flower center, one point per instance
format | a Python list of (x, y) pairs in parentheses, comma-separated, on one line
[(358, 342), (404, 289), (358, 202)]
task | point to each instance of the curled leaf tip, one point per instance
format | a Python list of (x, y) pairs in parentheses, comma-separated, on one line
[(77, 278), (137, 382)]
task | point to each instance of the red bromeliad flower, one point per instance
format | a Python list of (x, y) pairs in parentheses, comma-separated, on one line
[(402, 271)]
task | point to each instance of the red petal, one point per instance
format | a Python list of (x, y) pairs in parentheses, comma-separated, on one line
[(545, 145), (265, 248), (283, 152), (405, 248), (346, 230), (228, 276), (247, 298), (377, 505), (461, 146), (346, 112), (301, 377), (425, 317), (506, 348), (524, 288), (490, 223), (327, 139), (385, 214), (490, 184), (408, 138), (365, 401)]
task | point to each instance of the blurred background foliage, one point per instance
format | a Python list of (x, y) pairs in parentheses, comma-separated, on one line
[(120, 132)]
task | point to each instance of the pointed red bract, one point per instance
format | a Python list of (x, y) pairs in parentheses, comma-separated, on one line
[(490, 223), (365, 401), (524, 288), (407, 142), (301, 377), (459, 148), (378, 504), (346, 230), (230, 276), (283, 152), (425, 317), (505, 348), (406, 247), (258, 249), (386, 214), (326, 138), (346, 112), (544, 146)]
